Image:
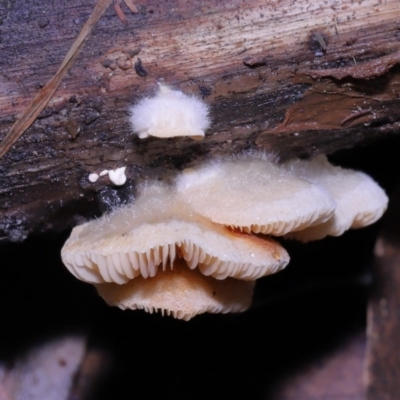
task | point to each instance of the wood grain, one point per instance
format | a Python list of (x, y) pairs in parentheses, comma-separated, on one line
[(247, 59)]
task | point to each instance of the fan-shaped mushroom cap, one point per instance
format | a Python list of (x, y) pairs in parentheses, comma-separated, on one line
[(135, 240), (170, 113), (180, 292), (360, 200), (255, 195)]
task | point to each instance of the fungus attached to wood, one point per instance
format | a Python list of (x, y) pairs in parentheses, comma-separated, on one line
[(117, 176), (360, 201), (180, 292), (137, 239), (147, 238), (301, 199), (254, 194), (93, 177), (172, 248), (168, 114)]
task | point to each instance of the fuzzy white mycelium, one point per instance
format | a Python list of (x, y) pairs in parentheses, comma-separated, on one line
[(168, 114)]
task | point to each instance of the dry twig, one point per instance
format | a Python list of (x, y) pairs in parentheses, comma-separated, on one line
[(44, 96)]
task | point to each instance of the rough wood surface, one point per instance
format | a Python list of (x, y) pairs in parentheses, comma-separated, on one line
[(252, 61)]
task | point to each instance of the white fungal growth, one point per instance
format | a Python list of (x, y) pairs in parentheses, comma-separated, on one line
[(117, 176), (192, 249), (360, 200), (156, 254), (93, 177), (254, 194), (180, 292), (170, 113), (304, 200), (139, 238)]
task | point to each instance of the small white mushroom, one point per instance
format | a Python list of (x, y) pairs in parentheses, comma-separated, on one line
[(255, 195), (360, 200), (168, 114), (180, 292)]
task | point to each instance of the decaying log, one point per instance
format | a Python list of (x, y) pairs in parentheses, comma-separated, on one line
[(260, 65)]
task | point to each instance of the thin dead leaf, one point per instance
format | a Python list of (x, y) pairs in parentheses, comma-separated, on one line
[(119, 11), (43, 97), (131, 6)]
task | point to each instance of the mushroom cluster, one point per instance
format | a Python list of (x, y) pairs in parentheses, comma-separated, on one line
[(301, 199), (199, 245), (158, 254)]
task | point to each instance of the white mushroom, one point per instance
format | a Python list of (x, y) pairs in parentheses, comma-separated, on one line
[(180, 292), (137, 239), (170, 113), (170, 249), (255, 195), (360, 200), (157, 254)]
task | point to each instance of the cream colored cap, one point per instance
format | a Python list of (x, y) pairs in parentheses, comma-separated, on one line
[(170, 113), (360, 200), (137, 239), (254, 195), (180, 292)]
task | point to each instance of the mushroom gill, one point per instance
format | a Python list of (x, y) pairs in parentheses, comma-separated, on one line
[(180, 292), (138, 239), (143, 242)]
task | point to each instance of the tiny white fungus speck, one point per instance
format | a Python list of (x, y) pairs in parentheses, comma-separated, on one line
[(104, 172), (117, 176), (93, 177)]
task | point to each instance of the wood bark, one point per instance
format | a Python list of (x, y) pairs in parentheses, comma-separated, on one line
[(294, 77)]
